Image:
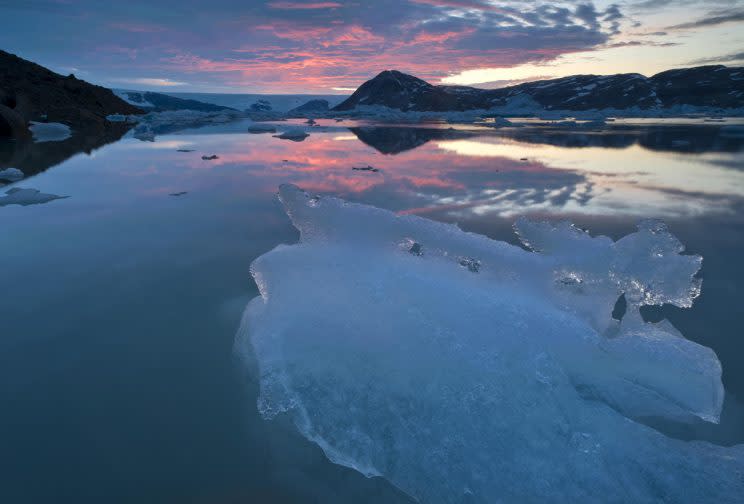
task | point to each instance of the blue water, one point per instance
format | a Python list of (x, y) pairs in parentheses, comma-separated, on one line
[(120, 303)]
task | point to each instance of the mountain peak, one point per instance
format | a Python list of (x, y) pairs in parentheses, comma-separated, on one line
[(389, 88), (708, 86)]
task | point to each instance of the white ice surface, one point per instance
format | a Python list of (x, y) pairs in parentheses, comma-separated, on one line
[(464, 369)]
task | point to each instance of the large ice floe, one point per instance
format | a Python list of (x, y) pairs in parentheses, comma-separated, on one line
[(464, 369)]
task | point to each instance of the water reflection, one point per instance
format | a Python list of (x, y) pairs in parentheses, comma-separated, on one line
[(468, 171), (394, 140), (694, 138), (32, 157), (117, 333)]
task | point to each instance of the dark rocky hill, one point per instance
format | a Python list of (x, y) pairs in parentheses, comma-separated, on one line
[(30, 92), (397, 90), (716, 86), (710, 86)]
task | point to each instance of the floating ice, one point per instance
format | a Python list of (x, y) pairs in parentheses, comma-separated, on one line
[(294, 134), (159, 123), (11, 174), (464, 369), (20, 196), (49, 132)]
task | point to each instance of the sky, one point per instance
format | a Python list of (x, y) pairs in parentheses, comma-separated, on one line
[(332, 46)]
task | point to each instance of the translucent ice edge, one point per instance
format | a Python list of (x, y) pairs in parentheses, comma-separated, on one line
[(464, 369)]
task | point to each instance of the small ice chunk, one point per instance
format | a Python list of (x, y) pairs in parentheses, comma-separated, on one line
[(50, 132), (24, 197), (294, 134), (11, 174)]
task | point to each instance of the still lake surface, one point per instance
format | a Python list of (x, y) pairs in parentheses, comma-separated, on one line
[(118, 381)]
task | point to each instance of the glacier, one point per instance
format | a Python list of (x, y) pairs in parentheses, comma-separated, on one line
[(464, 369)]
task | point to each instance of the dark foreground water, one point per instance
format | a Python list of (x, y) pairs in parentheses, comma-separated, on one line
[(120, 303)]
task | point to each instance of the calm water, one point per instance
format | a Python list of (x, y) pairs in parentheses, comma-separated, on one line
[(120, 303)]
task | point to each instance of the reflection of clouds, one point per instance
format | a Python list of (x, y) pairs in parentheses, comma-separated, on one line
[(633, 181), (516, 190), (476, 176)]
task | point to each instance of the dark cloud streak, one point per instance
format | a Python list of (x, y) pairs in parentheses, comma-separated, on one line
[(713, 19)]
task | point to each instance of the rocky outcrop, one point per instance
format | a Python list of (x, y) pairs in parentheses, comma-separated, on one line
[(397, 90), (30, 92), (313, 107), (260, 106), (711, 86)]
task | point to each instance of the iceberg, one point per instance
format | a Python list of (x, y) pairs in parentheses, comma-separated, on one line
[(464, 369)]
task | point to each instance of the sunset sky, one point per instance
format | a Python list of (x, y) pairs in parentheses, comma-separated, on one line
[(277, 46)]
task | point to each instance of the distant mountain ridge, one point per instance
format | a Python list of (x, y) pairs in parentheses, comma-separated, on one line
[(707, 86), (159, 102)]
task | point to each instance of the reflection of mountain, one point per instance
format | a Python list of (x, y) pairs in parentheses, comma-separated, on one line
[(690, 139), (394, 140), (696, 139), (32, 158)]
